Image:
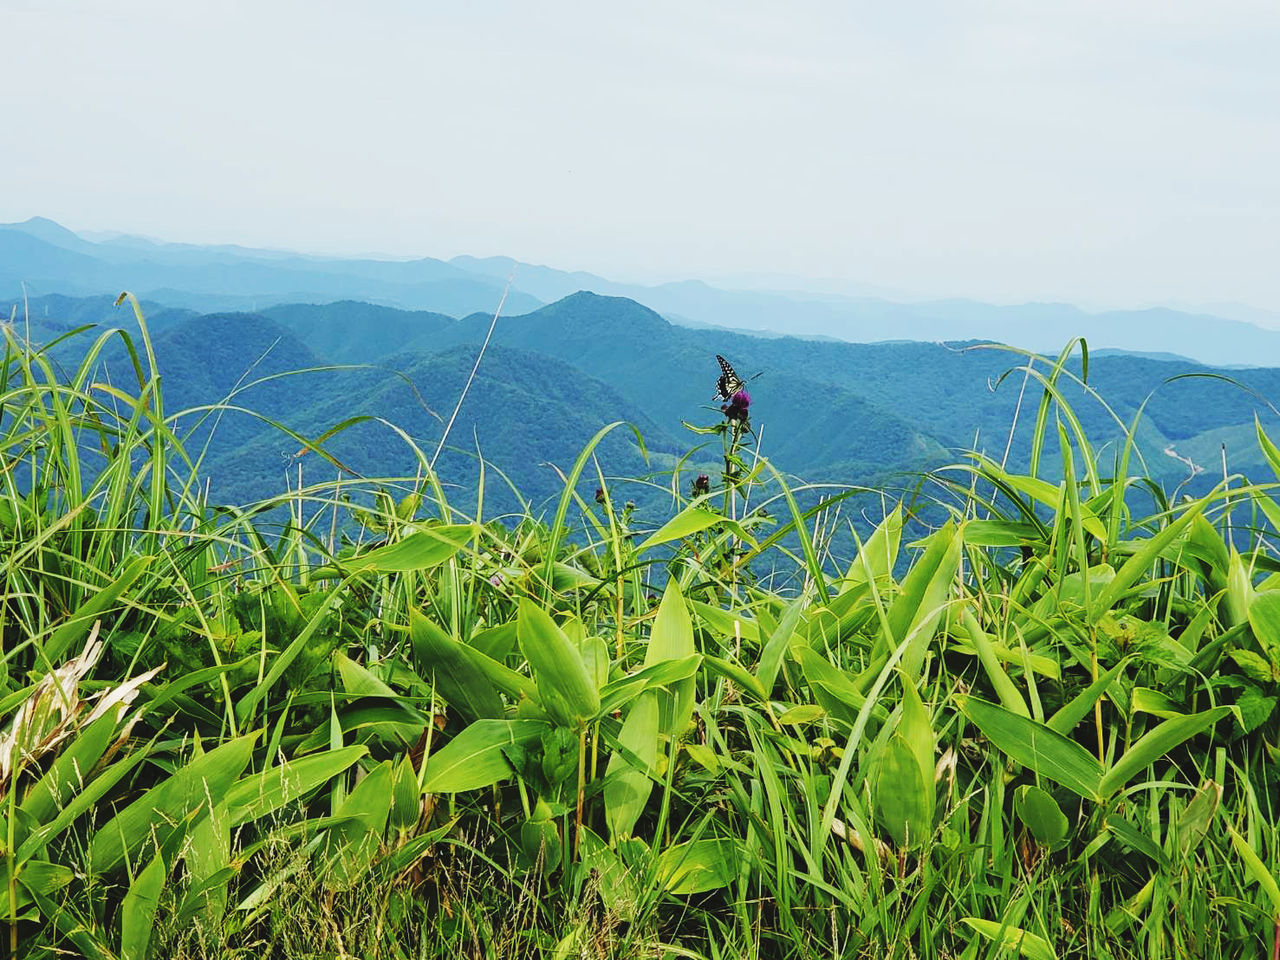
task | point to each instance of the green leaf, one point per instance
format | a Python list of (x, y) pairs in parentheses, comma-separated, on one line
[(1013, 938), (1269, 449), (804, 713), (903, 800), (1239, 593), (1194, 822), (1041, 815), (352, 842), (570, 576), (1155, 744), (1038, 747), (916, 728), (595, 655), (566, 690), (1257, 871), (1134, 838), (672, 639), (170, 805), (1264, 618), (627, 788), (1146, 700), (668, 675), (1252, 665), (880, 551), (1000, 533), (1072, 712), (83, 801), (1005, 688), (735, 674), (697, 866), (776, 646), (476, 757), (406, 799), (73, 632), (262, 794), (208, 858), (919, 608), (429, 547), (1142, 559), (281, 662), (1254, 708), (687, 522), (65, 776), (540, 840), (619, 888), (457, 678), (832, 687), (728, 623), (43, 876), (138, 910)]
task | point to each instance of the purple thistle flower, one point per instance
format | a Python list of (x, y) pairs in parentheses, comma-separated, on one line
[(701, 485), (736, 408)]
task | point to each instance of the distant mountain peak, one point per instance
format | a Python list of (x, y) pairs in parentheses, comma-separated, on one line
[(588, 299), (50, 231)]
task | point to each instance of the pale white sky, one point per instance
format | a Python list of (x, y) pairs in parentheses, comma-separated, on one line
[(1101, 152)]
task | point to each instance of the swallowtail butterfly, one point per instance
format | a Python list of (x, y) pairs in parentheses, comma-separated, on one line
[(729, 382)]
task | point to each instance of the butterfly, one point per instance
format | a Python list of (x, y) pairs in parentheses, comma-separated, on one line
[(729, 382)]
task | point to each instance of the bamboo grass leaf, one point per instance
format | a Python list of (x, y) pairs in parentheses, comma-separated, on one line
[(1075, 710), (352, 842), (1133, 568), (1257, 871), (776, 646), (903, 797), (170, 804), (428, 547), (879, 552), (72, 633), (456, 676), (565, 688), (687, 522), (1025, 944), (672, 640), (1005, 688), (138, 910), (627, 788), (1041, 814), (697, 866), (1155, 744), (262, 794), (477, 757), (1038, 747)]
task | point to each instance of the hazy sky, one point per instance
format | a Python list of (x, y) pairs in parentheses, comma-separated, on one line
[(1102, 152)]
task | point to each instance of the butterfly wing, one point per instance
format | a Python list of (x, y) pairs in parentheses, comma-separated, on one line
[(729, 382)]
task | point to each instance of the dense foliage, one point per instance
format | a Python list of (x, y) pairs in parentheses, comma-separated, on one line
[(1046, 727)]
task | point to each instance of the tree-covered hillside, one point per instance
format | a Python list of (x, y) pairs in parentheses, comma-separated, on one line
[(841, 412)]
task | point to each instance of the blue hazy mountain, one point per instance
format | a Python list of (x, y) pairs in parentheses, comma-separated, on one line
[(48, 258), (1035, 326), (827, 411), (38, 256)]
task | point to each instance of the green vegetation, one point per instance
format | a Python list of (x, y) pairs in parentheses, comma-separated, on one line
[(869, 414), (1046, 727)]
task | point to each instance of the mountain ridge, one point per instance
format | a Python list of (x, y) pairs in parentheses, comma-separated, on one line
[(228, 277)]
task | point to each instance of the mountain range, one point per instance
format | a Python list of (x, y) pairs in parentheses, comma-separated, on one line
[(827, 411), (40, 257)]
